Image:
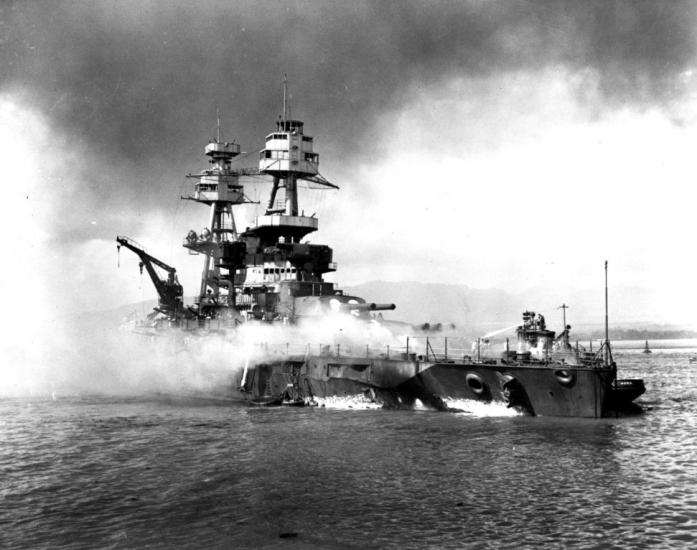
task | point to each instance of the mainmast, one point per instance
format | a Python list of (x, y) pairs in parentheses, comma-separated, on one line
[(217, 187)]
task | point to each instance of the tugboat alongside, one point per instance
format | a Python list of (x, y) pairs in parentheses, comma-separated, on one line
[(269, 274), (544, 375)]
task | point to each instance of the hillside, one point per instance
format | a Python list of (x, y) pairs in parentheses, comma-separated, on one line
[(417, 303), (476, 311)]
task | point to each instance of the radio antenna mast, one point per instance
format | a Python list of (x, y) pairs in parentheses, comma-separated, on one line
[(607, 330)]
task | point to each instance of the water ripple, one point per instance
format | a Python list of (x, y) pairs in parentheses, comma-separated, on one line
[(114, 473)]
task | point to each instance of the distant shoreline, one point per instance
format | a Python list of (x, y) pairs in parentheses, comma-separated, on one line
[(656, 344), (639, 334)]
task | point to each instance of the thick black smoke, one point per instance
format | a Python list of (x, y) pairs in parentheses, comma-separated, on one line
[(138, 82)]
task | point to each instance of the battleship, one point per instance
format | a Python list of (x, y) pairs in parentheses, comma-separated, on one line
[(270, 274)]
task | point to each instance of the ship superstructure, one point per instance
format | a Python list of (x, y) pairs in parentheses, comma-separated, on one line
[(283, 276), (268, 271)]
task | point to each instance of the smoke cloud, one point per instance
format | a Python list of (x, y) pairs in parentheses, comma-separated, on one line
[(133, 86), (106, 105), (93, 354)]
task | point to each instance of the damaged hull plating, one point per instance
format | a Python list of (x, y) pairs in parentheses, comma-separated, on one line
[(544, 390)]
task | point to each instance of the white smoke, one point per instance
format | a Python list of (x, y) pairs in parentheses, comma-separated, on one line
[(94, 354)]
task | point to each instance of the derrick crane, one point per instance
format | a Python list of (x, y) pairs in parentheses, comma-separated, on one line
[(169, 290)]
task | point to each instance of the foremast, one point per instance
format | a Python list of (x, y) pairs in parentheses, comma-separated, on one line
[(288, 157), (280, 269)]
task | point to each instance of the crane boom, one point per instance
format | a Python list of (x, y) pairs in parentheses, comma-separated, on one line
[(169, 290)]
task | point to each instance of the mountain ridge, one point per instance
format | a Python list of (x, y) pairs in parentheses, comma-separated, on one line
[(480, 310), (419, 302)]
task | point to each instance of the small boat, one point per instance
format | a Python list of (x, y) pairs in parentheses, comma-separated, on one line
[(623, 392), (293, 403), (266, 401), (646, 347)]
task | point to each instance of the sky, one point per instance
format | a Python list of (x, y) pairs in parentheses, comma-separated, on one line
[(514, 145)]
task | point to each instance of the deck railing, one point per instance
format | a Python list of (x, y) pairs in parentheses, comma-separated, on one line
[(421, 348)]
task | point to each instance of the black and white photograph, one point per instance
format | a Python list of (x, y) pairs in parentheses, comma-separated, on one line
[(378, 274)]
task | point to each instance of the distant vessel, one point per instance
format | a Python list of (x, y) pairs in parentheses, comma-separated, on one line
[(269, 274), (646, 347)]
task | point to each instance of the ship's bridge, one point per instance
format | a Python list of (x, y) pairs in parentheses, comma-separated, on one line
[(273, 226), (288, 150), (290, 126)]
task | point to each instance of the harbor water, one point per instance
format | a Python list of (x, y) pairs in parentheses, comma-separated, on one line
[(147, 472)]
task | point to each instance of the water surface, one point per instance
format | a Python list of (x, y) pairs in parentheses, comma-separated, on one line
[(100, 472)]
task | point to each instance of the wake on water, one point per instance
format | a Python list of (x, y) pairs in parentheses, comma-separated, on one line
[(471, 407), (467, 407), (357, 402)]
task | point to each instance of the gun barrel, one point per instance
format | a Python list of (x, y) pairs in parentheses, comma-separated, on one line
[(371, 306), (383, 307)]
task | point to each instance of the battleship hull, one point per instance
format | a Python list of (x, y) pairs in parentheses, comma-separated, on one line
[(281, 381), (543, 390)]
